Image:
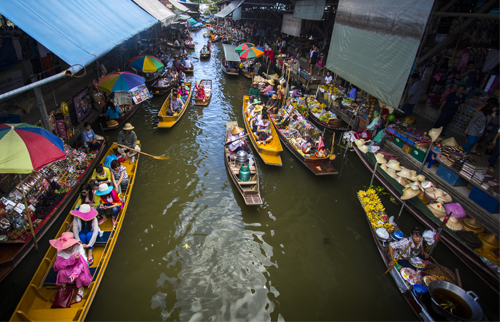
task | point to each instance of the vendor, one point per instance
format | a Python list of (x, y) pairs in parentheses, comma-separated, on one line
[(89, 138), (272, 104), (254, 90), (449, 108), (128, 138), (328, 78), (237, 145), (268, 88), (412, 246), (354, 92), (112, 112)]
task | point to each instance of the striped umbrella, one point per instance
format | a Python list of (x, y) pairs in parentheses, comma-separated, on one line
[(26, 148), (120, 81), (252, 52), (244, 46), (146, 64)]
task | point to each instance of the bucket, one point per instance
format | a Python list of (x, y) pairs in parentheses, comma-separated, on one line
[(326, 96)]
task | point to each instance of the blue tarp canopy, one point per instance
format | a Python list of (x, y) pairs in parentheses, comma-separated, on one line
[(78, 31)]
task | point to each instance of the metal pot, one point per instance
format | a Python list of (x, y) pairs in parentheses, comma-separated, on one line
[(242, 157), (467, 307)]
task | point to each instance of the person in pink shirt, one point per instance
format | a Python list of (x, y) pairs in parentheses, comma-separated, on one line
[(71, 263), (268, 88)]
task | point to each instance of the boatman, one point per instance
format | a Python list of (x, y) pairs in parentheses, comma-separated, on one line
[(237, 145), (410, 247), (128, 138)]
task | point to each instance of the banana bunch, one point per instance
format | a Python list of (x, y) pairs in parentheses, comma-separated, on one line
[(335, 90), (374, 209)]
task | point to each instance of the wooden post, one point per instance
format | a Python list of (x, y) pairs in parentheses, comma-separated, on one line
[(28, 215)]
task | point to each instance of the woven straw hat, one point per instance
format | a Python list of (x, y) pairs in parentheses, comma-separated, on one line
[(490, 241), (359, 142), (471, 224), (383, 167), (236, 130), (393, 164), (427, 184), (364, 149), (380, 158), (450, 142), (392, 173), (128, 127), (435, 133), (437, 209), (423, 197), (409, 193), (421, 178), (405, 173), (415, 186), (489, 255), (402, 181), (438, 195), (271, 82), (453, 223)]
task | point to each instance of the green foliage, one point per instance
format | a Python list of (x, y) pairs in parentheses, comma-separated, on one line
[(381, 192)]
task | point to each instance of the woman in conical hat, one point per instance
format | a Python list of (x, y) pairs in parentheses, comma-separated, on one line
[(236, 133)]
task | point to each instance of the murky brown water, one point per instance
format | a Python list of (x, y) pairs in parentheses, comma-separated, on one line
[(305, 254)]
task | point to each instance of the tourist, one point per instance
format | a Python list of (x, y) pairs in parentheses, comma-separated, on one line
[(86, 228), (468, 77), (109, 201), (322, 63), (354, 92), (101, 174), (89, 138), (71, 263), (177, 64), (237, 145), (414, 94), (128, 138), (272, 104), (263, 134), (183, 92), (175, 106), (476, 128), (413, 245), (120, 176), (268, 88), (254, 90), (253, 102), (313, 59), (87, 197), (112, 112), (201, 91), (328, 78), (449, 108), (204, 50)]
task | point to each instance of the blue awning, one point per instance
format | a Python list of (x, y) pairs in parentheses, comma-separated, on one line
[(78, 31)]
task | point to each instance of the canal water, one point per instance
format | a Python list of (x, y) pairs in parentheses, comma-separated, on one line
[(190, 250)]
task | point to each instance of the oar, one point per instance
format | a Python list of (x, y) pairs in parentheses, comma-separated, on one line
[(149, 155), (244, 136), (332, 155), (396, 260)]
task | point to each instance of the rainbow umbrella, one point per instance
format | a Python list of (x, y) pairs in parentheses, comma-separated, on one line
[(26, 148), (252, 52), (146, 64), (244, 46), (120, 81)]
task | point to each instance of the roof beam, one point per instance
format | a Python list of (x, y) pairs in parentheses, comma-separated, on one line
[(467, 15)]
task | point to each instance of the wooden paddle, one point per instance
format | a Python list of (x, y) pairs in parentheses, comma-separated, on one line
[(332, 155), (244, 136), (396, 260), (149, 155)]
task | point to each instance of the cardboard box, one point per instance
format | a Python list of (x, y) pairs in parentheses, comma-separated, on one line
[(407, 148)]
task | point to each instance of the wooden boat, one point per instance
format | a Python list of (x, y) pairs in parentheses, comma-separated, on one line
[(208, 93), (462, 251), (172, 44), (230, 56), (35, 305), (246, 73), (319, 166), (249, 190), (327, 127), (167, 121), (205, 56), (13, 252), (269, 153), (123, 119), (188, 70), (160, 90), (188, 45), (229, 71)]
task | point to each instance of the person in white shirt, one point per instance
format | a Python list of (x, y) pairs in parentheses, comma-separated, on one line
[(414, 95), (187, 63), (328, 78)]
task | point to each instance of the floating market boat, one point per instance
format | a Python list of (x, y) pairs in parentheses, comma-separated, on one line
[(167, 121), (127, 112), (249, 189), (298, 140), (230, 56), (270, 153), (449, 237), (12, 252), (188, 44), (156, 89), (208, 93), (205, 56), (35, 305), (189, 70), (172, 44), (246, 73)]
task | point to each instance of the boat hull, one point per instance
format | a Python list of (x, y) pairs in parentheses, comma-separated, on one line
[(169, 121)]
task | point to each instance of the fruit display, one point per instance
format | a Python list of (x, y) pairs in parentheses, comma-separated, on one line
[(370, 105), (374, 209)]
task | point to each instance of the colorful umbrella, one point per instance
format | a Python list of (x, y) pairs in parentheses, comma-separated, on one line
[(146, 64), (244, 46), (26, 148), (120, 81), (251, 53)]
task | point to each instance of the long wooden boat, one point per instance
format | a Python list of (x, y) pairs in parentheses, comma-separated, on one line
[(167, 121), (269, 153), (208, 93), (249, 190), (205, 56), (13, 252), (466, 254), (160, 90), (172, 44), (151, 77), (229, 71), (318, 166), (123, 119), (188, 70), (188, 45), (247, 74), (327, 127), (35, 305)]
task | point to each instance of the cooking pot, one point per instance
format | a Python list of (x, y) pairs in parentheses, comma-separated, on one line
[(242, 157), (467, 308)]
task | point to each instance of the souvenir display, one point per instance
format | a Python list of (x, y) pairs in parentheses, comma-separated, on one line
[(139, 94), (44, 191)]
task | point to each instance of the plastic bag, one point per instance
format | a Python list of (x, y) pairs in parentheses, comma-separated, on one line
[(109, 158)]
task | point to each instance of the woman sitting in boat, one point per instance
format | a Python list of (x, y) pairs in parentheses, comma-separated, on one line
[(112, 111), (410, 247), (268, 88), (254, 90), (176, 43), (109, 201), (236, 133), (272, 104), (101, 174), (86, 228), (251, 106), (263, 134), (71, 263), (119, 177), (183, 92), (201, 91), (204, 50)]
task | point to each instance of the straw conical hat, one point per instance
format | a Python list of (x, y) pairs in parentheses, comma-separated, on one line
[(423, 197), (405, 173), (409, 193), (427, 184), (435, 133), (490, 241), (392, 173), (450, 142), (438, 194), (413, 173), (453, 223), (402, 181), (437, 209), (359, 142), (236, 130), (421, 178), (380, 158), (393, 164), (364, 149), (471, 224), (415, 186), (383, 167)]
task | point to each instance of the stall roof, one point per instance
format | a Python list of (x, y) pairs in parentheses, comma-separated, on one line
[(157, 10), (82, 31), (230, 8), (179, 6), (229, 53)]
